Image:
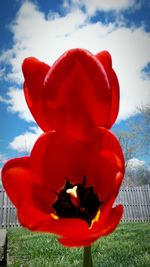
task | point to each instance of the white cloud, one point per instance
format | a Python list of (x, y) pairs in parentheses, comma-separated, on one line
[(25, 141), (16, 104), (35, 35), (2, 158), (137, 166), (104, 5), (136, 163), (2, 99), (137, 172), (48, 38)]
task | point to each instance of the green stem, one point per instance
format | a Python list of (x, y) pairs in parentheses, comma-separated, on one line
[(87, 257)]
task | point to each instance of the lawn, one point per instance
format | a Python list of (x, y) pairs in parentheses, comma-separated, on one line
[(128, 246)]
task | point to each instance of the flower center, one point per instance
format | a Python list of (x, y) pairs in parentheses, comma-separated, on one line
[(77, 201)]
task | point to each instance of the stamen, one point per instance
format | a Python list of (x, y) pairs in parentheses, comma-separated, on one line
[(74, 196), (77, 201), (73, 191), (54, 216), (96, 218)]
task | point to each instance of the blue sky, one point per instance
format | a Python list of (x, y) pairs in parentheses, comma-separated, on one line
[(45, 29)]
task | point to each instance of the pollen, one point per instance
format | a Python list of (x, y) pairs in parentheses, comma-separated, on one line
[(74, 195), (96, 218), (77, 201), (54, 216), (73, 191)]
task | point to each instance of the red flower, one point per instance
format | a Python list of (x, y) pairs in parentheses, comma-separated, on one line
[(78, 92), (69, 183), (68, 186)]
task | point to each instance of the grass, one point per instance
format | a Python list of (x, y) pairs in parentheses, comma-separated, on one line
[(128, 246)]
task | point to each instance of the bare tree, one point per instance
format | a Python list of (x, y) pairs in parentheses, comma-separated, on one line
[(128, 144), (137, 175), (135, 143), (142, 129)]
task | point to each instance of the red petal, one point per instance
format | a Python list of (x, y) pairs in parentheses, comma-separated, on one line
[(36, 220), (102, 172), (69, 242), (106, 160), (34, 72), (106, 226), (113, 221), (103, 139), (77, 93), (115, 99), (74, 95), (17, 183), (55, 157), (105, 58), (66, 227), (118, 181), (16, 179)]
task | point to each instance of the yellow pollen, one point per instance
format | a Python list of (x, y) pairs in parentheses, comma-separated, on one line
[(96, 218), (54, 216), (73, 191)]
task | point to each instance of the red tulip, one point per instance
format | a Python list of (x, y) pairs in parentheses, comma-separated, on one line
[(80, 91), (67, 186)]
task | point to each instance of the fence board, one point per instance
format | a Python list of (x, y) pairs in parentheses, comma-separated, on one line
[(136, 202), (8, 216)]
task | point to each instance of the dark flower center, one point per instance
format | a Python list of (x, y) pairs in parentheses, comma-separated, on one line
[(77, 201)]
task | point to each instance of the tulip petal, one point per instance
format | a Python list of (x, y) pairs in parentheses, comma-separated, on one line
[(76, 160), (115, 99), (118, 181), (69, 242), (33, 183), (113, 221), (16, 179), (103, 139), (36, 220), (86, 240), (105, 58), (34, 72), (79, 91), (102, 172), (108, 221), (56, 157), (66, 227), (106, 160)]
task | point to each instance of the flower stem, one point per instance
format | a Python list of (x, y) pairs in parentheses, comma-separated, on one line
[(87, 257)]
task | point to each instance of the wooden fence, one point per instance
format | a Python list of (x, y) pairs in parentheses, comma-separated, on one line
[(8, 215), (136, 202)]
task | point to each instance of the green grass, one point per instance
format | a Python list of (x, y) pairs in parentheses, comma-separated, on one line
[(128, 246)]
